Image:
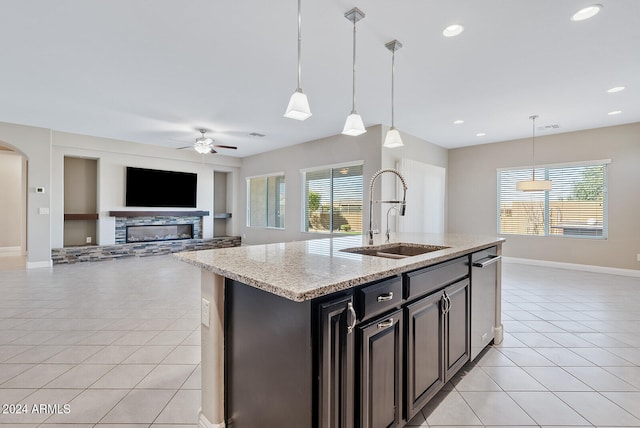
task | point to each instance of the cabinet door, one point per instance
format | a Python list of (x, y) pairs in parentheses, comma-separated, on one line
[(380, 373), (425, 350), (457, 326), (336, 363)]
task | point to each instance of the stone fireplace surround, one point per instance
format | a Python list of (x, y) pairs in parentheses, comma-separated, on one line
[(142, 249), (125, 219)]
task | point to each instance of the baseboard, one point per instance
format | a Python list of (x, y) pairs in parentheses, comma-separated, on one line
[(37, 265), (573, 266), (11, 251), (203, 422)]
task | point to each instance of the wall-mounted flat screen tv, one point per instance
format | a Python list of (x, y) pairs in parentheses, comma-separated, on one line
[(157, 188)]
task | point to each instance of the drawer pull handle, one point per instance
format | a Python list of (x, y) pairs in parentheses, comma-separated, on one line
[(385, 324), (354, 317), (385, 297)]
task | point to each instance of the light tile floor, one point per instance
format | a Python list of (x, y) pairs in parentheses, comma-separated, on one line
[(571, 356), (119, 342)]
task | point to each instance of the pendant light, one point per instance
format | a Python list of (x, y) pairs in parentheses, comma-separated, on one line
[(298, 107), (393, 139), (533, 185), (353, 125)]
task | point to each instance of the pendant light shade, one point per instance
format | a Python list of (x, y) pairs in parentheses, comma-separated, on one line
[(393, 139), (353, 125), (298, 107), (533, 185)]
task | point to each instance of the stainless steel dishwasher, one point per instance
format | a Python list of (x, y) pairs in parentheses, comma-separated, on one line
[(484, 277)]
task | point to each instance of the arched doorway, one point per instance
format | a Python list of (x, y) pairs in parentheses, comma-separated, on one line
[(13, 200)]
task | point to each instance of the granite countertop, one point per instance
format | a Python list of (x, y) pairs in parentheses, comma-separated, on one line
[(304, 270)]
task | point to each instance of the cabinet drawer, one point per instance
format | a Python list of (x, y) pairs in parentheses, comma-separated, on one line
[(379, 297), (429, 279)]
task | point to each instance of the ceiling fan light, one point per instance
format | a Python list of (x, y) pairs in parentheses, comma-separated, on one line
[(201, 147), (354, 126), (393, 139), (534, 185), (298, 107), (204, 140)]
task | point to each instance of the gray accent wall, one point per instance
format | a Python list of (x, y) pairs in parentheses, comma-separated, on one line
[(472, 193)]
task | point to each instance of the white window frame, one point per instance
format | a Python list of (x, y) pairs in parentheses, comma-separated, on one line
[(545, 168), (248, 211)]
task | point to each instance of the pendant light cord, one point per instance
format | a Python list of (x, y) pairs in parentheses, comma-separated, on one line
[(533, 147), (393, 67), (299, 42), (353, 105)]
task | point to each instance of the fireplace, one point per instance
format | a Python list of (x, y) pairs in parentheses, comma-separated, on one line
[(160, 232)]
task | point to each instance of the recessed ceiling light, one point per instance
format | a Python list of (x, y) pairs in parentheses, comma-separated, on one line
[(480, 134), (612, 113), (458, 122), (615, 89), (453, 30), (586, 12)]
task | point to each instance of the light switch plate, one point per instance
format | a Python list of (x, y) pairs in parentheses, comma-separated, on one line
[(205, 313)]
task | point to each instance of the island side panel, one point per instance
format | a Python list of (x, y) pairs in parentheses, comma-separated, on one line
[(268, 348), (212, 352)]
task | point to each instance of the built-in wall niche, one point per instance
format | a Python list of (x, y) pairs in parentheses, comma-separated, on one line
[(221, 213), (80, 201)]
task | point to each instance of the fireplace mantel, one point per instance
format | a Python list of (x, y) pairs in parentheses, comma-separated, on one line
[(158, 213)]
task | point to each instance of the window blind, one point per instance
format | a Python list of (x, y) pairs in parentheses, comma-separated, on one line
[(333, 200), (575, 207)]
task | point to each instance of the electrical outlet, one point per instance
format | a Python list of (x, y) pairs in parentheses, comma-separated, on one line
[(205, 313), (88, 239), (638, 257)]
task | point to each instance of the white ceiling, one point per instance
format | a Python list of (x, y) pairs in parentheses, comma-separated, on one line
[(153, 71)]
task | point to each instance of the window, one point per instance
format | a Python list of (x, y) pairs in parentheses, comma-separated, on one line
[(266, 201), (333, 199), (575, 207)]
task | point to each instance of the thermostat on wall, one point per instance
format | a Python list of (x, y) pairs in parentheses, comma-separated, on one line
[(39, 189)]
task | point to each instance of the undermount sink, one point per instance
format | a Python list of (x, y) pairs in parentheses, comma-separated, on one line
[(395, 251)]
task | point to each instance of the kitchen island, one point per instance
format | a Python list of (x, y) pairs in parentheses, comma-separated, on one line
[(321, 333)]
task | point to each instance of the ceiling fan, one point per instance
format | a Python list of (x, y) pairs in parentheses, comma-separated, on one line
[(204, 145)]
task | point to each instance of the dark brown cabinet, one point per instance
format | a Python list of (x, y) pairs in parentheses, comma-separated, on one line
[(380, 371), (367, 357), (425, 351), (457, 327), (437, 342), (336, 370)]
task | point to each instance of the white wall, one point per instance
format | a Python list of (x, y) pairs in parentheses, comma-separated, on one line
[(472, 193), (11, 191), (45, 150), (35, 145), (415, 149), (327, 151), (113, 157)]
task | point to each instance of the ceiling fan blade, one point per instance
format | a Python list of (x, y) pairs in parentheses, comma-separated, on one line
[(225, 147), (212, 151), (185, 147)]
